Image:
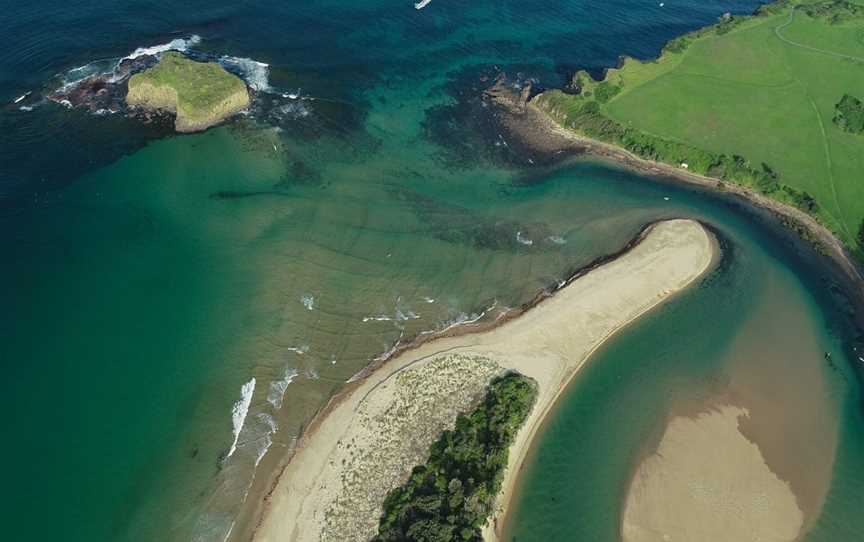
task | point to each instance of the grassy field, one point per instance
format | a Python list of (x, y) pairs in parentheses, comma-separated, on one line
[(761, 88)]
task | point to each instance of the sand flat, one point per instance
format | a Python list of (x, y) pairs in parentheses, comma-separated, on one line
[(316, 496), (707, 481)]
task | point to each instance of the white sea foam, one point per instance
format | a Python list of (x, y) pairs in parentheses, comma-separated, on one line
[(557, 239), (463, 318), (294, 110), (26, 108), (523, 240), (239, 412), (178, 44), (263, 443), (381, 318), (429, 299), (302, 349), (256, 74), (402, 316), (308, 302), (276, 394)]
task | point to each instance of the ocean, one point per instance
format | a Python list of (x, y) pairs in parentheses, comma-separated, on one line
[(177, 308)]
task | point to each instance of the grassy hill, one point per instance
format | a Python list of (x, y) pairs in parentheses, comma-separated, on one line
[(752, 100), (201, 94)]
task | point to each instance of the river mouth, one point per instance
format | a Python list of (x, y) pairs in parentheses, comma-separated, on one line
[(778, 364), (148, 278)]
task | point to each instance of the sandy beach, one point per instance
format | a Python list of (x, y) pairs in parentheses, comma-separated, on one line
[(368, 439), (707, 481)]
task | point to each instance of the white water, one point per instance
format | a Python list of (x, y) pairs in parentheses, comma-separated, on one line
[(256, 74), (276, 394), (239, 412), (179, 44), (523, 240), (263, 443)]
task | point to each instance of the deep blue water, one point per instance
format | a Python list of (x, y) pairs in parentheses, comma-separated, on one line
[(137, 302)]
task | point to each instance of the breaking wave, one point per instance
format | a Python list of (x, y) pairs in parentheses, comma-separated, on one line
[(178, 44), (256, 74), (276, 393), (263, 443), (239, 412)]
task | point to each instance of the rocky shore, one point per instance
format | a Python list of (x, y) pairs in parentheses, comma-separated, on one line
[(536, 129), (168, 88)]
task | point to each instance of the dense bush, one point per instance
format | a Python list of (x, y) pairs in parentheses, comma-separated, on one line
[(861, 236), (835, 11), (849, 114), (451, 496), (606, 91)]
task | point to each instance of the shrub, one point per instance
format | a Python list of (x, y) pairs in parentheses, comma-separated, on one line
[(861, 236), (606, 91), (849, 114), (451, 496)]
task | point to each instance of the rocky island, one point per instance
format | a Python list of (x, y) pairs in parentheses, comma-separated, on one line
[(199, 94)]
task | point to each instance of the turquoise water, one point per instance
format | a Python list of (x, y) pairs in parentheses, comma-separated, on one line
[(752, 335), (148, 278)]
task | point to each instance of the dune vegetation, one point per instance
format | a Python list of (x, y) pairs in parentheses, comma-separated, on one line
[(201, 94), (766, 101), (452, 495)]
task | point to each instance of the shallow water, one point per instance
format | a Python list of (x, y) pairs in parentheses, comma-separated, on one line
[(750, 335), (147, 278)]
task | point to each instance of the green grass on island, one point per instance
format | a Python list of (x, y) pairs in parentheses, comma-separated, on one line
[(770, 101), (451, 496), (200, 93)]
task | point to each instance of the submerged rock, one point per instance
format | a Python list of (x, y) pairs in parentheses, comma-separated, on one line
[(103, 92)]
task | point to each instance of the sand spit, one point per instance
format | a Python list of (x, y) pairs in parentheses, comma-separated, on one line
[(706, 481), (367, 441)]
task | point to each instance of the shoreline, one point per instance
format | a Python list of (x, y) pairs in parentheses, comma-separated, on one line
[(538, 131), (398, 349), (524, 444), (694, 245)]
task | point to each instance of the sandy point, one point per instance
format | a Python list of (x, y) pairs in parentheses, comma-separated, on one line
[(366, 443)]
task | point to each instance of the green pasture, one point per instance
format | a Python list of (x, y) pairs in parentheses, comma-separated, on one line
[(763, 88)]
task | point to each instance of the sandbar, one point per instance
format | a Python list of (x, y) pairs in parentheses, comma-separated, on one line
[(368, 439), (707, 481)]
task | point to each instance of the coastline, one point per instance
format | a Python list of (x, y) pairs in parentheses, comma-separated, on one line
[(527, 436), (539, 132), (662, 260)]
